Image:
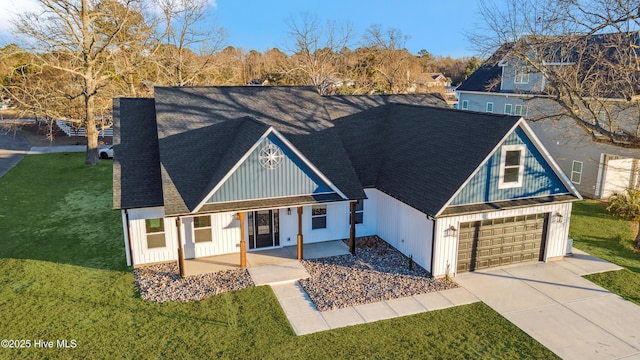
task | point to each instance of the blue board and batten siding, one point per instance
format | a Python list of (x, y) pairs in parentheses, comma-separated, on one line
[(539, 178), (253, 181)]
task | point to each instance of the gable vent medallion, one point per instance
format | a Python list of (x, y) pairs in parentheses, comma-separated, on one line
[(270, 156)]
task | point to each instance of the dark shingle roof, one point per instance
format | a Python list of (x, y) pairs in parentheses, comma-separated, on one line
[(296, 112), (425, 158), (487, 78), (136, 162), (420, 155)]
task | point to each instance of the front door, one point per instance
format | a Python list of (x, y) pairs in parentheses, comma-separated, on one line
[(264, 229)]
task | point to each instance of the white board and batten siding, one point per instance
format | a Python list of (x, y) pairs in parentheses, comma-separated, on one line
[(404, 227), (446, 247), (137, 228), (225, 228)]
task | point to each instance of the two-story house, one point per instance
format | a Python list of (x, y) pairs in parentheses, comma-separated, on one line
[(504, 84)]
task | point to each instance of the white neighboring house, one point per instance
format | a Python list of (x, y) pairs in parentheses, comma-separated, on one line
[(218, 170)]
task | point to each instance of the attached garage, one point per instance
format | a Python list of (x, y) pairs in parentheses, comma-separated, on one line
[(497, 242)]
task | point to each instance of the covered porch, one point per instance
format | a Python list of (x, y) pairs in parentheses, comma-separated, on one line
[(274, 256)]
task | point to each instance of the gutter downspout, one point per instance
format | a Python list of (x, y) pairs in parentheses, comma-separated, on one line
[(433, 242), (128, 229)]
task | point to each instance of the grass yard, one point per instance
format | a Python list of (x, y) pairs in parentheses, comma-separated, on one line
[(608, 237), (63, 277)]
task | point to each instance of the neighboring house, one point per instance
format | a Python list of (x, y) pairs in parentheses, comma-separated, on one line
[(502, 86), (217, 170)]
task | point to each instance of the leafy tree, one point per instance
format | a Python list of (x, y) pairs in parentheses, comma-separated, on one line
[(627, 206)]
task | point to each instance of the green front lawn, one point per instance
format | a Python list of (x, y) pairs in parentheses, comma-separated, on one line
[(610, 238), (63, 277)]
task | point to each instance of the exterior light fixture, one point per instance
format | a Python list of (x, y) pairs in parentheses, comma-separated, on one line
[(451, 231), (288, 211), (559, 217)]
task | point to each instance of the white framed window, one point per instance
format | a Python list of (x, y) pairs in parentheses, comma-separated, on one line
[(359, 211), (202, 229), (155, 233), (521, 110), (490, 107), (508, 108), (576, 172), (465, 104), (522, 76), (319, 217), (511, 166)]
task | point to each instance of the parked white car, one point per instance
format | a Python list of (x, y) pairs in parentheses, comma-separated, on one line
[(106, 152)]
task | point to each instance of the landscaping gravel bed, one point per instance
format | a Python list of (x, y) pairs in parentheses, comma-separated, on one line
[(377, 272), (163, 283)]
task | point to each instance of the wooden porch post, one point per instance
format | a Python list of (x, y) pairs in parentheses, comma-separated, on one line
[(243, 243), (180, 250), (300, 249), (352, 230)]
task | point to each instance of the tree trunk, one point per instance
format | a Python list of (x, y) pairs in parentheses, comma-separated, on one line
[(92, 133), (638, 235)]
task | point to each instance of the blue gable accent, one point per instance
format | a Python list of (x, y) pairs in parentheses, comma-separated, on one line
[(539, 178), (253, 181)]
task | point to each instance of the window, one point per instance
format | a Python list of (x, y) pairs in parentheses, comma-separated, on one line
[(511, 166), (202, 229), (521, 110), (465, 104), (155, 233), (576, 172), (522, 76), (359, 212), (319, 217), (490, 107), (508, 109)]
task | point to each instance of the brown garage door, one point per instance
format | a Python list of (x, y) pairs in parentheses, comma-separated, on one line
[(489, 243)]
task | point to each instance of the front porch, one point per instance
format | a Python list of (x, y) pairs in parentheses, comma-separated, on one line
[(274, 256)]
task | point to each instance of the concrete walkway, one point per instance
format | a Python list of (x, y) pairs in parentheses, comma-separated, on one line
[(306, 319), (568, 314)]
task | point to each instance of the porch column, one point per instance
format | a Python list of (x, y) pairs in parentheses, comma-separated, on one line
[(180, 250), (243, 243), (352, 230), (300, 249)]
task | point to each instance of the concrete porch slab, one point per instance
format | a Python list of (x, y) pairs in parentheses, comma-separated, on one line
[(278, 273)]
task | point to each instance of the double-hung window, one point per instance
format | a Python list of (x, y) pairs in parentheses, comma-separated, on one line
[(490, 107), (511, 166), (202, 229), (155, 233), (359, 212), (576, 172), (521, 110), (465, 104), (319, 217), (508, 109), (522, 76)]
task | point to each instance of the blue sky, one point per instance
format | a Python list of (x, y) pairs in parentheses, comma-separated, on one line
[(437, 26)]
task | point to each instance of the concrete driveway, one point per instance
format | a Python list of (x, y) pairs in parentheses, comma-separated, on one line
[(12, 149), (568, 314)]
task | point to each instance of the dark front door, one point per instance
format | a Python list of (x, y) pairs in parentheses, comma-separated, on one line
[(264, 229)]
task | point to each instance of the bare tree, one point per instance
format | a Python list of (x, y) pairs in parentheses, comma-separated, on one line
[(317, 49), (588, 52), (191, 41), (70, 36), (389, 57)]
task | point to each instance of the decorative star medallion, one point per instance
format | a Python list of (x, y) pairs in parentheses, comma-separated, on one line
[(270, 156)]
